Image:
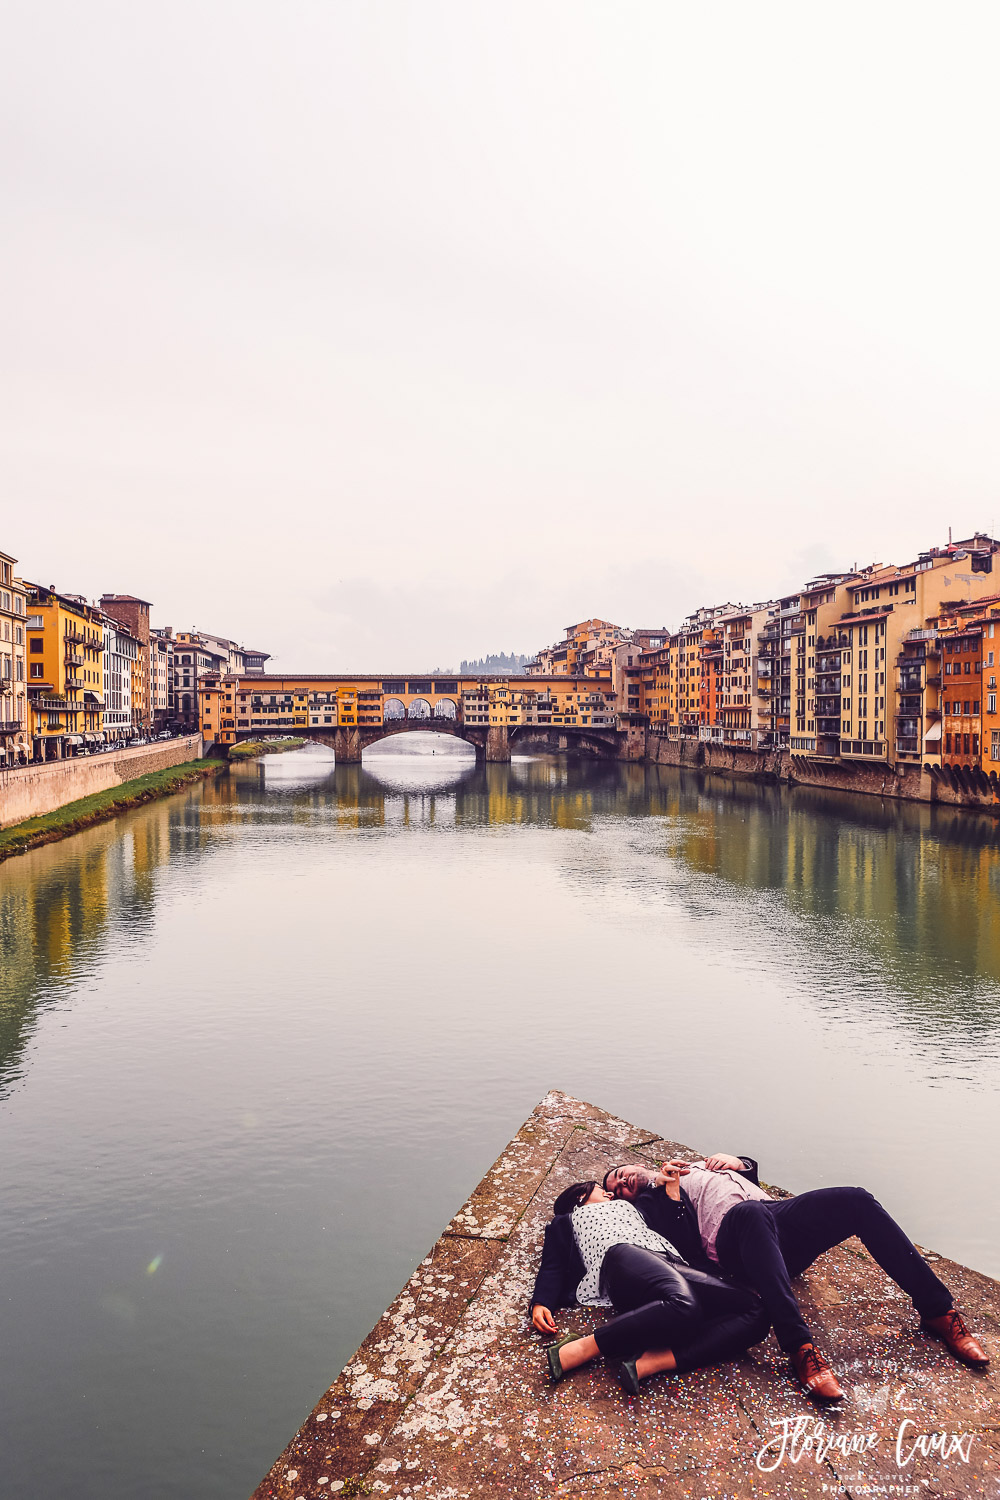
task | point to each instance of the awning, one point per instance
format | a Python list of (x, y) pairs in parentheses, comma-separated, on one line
[(74, 739), (934, 733)]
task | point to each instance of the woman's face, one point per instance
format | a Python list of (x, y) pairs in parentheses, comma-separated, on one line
[(598, 1195)]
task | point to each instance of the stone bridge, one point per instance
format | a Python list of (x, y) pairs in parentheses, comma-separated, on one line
[(493, 742)]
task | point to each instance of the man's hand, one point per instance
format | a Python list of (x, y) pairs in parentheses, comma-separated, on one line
[(669, 1178), (543, 1319), (720, 1162)]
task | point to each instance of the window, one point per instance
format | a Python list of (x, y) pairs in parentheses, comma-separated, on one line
[(36, 669)]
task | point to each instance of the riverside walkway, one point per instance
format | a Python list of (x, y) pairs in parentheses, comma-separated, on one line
[(447, 1397)]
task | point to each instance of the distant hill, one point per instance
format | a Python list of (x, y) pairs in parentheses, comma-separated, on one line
[(505, 662)]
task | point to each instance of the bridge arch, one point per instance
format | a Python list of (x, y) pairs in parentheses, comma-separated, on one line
[(393, 708), (445, 708), (419, 709)]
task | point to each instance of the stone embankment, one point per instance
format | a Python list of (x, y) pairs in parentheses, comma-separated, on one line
[(447, 1398), (957, 786), (32, 791)]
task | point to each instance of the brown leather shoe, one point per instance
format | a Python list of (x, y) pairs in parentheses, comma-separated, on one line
[(814, 1374), (950, 1328)]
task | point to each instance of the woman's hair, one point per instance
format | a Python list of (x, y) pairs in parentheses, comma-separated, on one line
[(572, 1197)]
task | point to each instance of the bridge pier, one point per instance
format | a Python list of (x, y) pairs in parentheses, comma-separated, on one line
[(497, 743), (347, 746)]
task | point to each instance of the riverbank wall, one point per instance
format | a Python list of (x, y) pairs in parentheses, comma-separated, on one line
[(32, 791), (957, 786)]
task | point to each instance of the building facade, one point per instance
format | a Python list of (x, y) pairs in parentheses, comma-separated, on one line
[(121, 653), (133, 613), (15, 729), (161, 655), (65, 657)]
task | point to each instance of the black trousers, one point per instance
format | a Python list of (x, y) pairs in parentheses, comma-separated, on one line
[(765, 1244), (662, 1305)]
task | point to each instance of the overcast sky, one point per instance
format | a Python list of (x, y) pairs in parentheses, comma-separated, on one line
[(378, 335)]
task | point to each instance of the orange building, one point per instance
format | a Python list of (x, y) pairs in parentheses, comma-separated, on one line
[(990, 732), (710, 657), (961, 692)]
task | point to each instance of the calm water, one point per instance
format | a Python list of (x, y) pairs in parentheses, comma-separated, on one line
[(259, 1041)]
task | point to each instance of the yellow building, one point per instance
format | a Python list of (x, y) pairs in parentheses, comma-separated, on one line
[(15, 729), (892, 659), (65, 656), (231, 706)]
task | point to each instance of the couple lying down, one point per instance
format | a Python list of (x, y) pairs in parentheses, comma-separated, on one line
[(697, 1262)]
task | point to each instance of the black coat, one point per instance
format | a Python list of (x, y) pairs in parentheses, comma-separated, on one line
[(562, 1268)]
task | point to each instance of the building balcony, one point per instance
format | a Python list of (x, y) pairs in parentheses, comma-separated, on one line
[(73, 660), (907, 745), (74, 682), (11, 726), (911, 658), (910, 682)]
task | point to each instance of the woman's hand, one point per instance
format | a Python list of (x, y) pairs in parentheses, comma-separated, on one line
[(543, 1319)]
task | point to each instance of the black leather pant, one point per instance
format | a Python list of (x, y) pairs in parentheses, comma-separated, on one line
[(663, 1305), (766, 1243)]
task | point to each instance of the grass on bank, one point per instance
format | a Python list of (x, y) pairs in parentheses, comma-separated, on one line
[(99, 806), (262, 747)]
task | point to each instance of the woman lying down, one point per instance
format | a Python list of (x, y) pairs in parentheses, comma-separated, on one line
[(600, 1252)]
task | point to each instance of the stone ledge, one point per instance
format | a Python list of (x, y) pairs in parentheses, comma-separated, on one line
[(447, 1398)]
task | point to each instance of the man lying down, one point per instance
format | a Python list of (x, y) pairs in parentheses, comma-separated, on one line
[(697, 1260)]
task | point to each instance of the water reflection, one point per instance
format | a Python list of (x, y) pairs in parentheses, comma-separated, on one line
[(234, 1024), (59, 902), (876, 897)]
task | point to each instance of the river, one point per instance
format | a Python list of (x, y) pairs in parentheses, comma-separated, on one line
[(259, 1041)]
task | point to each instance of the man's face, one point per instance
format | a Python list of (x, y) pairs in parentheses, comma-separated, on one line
[(628, 1182)]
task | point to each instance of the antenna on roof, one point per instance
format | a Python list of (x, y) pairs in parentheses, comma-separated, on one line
[(949, 536)]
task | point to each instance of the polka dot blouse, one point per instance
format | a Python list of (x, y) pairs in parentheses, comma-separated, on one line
[(598, 1226)]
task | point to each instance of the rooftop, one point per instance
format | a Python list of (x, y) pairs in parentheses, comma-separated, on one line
[(446, 1398)]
